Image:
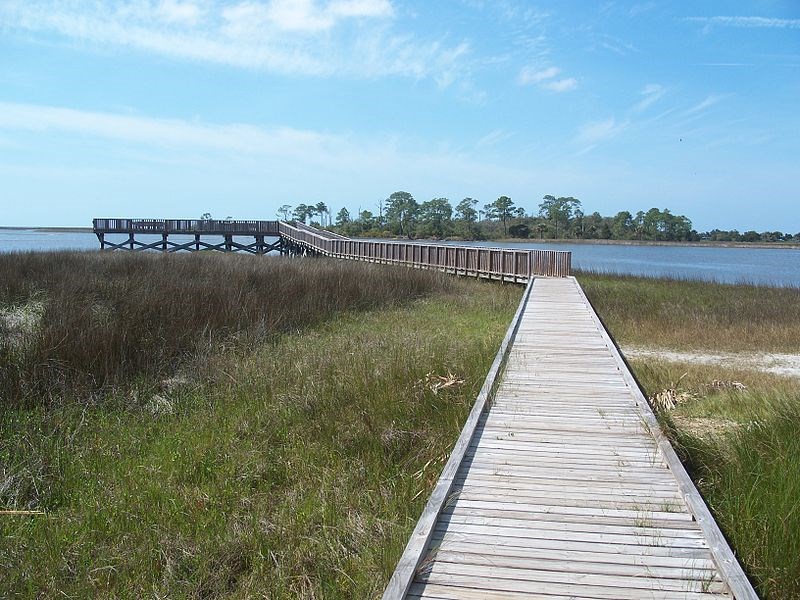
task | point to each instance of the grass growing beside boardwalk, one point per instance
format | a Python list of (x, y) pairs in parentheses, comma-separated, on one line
[(101, 319), (696, 315), (736, 429), (283, 466)]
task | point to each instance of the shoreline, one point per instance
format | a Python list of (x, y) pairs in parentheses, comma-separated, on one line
[(49, 229), (596, 242), (578, 242)]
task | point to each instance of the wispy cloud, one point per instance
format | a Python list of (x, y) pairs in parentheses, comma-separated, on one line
[(167, 140), (546, 79), (560, 85), (707, 102), (594, 132), (641, 8), (296, 37), (651, 93), (732, 21), (529, 75), (493, 138), (724, 64), (165, 133)]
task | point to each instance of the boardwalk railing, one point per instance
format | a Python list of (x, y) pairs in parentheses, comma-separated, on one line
[(494, 263), (186, 226)]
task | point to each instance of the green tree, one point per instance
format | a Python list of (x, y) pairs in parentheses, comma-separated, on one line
[(284, 211), (366, 220), (401, 212), (592, 225), (578, 224), (559, 211), (343, 217), (467, 216), (302, 212), (622, 225), (465, 210), (501, 209), (520, 230), (436, 216), (322, 210)]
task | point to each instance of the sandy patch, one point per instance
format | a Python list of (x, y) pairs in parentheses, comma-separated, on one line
[(705, 427), (18, 323), (787, 365)]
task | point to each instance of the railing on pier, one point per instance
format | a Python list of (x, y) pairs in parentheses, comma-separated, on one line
[(186, 226), (494, 263)]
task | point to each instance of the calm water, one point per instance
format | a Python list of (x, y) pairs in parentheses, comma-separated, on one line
[(729, 265), (768, 266)]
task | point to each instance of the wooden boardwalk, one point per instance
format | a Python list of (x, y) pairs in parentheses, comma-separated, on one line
[(563, 486), (192, 235)]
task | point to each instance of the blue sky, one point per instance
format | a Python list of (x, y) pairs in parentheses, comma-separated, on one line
[(174, 108)]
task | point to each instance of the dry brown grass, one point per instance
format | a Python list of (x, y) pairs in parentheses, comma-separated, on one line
[(105, 318)]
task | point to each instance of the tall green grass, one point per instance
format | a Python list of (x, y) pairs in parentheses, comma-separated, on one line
[(750, 477), (283, 466)]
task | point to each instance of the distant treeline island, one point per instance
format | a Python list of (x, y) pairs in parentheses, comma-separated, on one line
[(557, 218)]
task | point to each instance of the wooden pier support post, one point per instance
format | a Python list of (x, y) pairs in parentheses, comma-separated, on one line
[(259, 244), (228, 242), (197, 241), (164, 242), (130, 240), (102, 238)]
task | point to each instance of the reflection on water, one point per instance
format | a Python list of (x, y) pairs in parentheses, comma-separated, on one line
[(728, 265)]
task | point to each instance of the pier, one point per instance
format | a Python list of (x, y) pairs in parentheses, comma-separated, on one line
[(298, 239)]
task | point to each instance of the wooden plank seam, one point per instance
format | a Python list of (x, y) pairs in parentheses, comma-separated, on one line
[(729, 567), (410, 560)]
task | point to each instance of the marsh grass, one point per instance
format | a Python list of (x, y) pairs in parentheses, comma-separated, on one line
[(684, 315), (290, 466), (105, 319), (750, 477)]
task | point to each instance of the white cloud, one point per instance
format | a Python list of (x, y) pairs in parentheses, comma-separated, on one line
[(361, 8), (651, 93), (184, 13), (185, 152), (296, 37), (167, 134), (561, 85), (641, 8), (707, 102), (545, 79), (493, 138), (729, 21), (530, 75), (597, 131)]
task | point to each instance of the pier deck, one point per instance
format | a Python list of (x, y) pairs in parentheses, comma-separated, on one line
[(563, 486)]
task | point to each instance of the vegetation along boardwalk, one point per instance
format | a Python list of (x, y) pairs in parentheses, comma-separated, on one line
[(562, 484)]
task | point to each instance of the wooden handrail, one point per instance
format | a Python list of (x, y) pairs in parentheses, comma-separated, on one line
[(186, 226), (495, 263), (506, 264)]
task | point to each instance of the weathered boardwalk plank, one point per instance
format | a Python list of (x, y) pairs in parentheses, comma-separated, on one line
[(565, 486)]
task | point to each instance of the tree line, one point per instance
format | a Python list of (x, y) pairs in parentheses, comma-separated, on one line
[(555, 218)]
